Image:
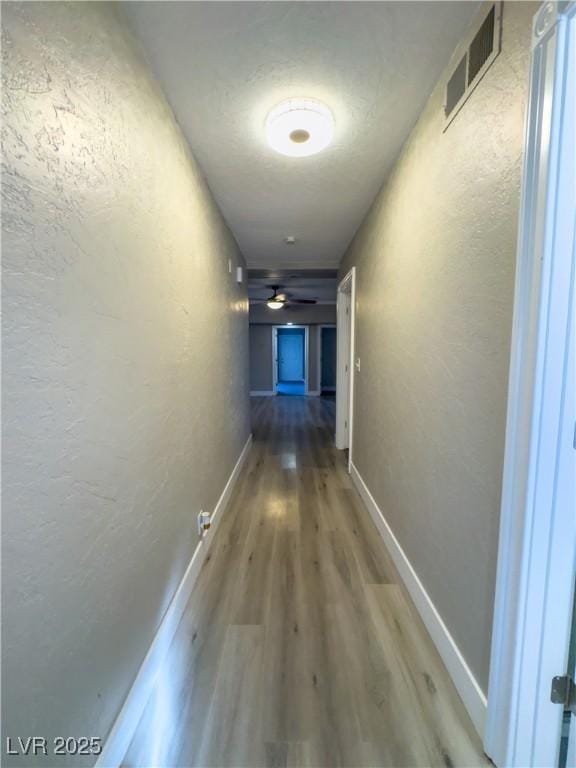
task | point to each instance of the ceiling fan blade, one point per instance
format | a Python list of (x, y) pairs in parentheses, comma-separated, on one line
[(277, 298), (303, 301)]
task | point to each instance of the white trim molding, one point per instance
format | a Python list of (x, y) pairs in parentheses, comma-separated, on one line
[(262, 393), (345, 356), (537, 544), (127, 721), (462, 677)]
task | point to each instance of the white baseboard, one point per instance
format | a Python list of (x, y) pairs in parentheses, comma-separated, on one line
[(127, 721), (263, 393), (462, 677), (313, 393)]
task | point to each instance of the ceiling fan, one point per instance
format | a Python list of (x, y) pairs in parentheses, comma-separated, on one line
[(281, 300)]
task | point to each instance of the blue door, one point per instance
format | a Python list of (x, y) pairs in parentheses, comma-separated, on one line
[(291, 354)]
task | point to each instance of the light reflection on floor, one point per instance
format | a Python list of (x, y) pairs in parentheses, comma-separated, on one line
[(163, 718), (288, 461)]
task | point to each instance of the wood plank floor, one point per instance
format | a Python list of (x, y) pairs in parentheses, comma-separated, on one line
[(298, 646)]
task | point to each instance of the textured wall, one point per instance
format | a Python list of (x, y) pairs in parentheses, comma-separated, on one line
[(261, 358), (125, 364), (435, 260)]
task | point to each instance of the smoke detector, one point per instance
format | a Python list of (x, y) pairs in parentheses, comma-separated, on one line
[(290, 240)]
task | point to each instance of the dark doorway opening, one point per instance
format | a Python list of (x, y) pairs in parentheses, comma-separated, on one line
[(328, 360)]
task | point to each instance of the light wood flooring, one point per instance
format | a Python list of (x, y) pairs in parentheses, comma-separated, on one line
[(298, 646)]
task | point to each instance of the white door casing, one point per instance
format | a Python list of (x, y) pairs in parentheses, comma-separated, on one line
[(345, 350), (537, 545)]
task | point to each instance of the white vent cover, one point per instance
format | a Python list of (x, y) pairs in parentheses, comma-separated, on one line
[(481, 51)]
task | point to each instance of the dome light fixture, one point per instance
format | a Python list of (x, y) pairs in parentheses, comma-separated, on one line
[(272, 304), (299, 127)]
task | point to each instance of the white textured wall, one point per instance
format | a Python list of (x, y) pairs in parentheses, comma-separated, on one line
[(125, 364), (435, 259)]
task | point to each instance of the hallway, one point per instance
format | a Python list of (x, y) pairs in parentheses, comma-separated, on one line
[(298, 646), (359, 551)]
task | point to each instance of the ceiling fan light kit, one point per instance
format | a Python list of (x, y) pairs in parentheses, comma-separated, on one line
[(282, 300)]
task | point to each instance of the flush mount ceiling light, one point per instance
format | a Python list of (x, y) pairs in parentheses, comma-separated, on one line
[(299, 127)]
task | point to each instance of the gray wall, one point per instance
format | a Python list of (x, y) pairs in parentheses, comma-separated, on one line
[(125, 349), (435, 259), (261, 358), (299, 315)]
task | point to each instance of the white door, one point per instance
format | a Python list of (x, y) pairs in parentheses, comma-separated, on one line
[(344, 354)]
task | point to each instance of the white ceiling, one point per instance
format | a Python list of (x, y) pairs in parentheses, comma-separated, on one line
[(224, 65)]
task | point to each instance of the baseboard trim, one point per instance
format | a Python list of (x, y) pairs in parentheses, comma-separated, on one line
[(127, 721), (263, 393), (470, 692), (313, 393)]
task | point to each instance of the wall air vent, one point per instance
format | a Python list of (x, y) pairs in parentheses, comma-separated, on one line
[(456, 87), (482, 49), (482, 46)]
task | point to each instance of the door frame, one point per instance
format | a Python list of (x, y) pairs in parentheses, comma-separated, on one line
[(319, 360), (345, 330), (275, 328), (537, 544)]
